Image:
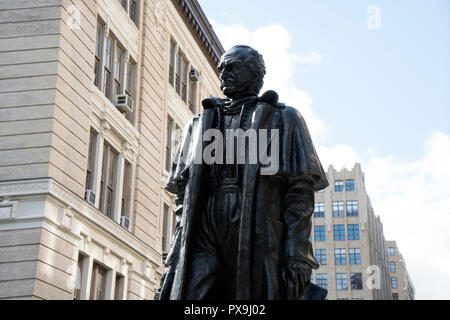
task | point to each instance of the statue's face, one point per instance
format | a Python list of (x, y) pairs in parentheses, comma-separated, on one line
[(235, 77)]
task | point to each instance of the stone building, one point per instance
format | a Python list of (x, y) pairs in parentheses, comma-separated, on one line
[(90, 94), (401, 285), (348, 240)]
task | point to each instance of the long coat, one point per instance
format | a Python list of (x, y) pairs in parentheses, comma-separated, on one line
[(275, 221)]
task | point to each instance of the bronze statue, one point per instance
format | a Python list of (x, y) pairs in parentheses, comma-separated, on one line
[(243, 226)]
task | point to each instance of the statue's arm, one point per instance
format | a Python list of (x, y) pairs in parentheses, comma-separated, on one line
[(298, 253)]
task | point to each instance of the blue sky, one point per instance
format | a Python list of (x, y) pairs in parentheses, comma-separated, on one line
[(390, 84), (377, 96)]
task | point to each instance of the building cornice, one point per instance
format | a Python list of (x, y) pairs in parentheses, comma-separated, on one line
[(194, 16), (47, 186)]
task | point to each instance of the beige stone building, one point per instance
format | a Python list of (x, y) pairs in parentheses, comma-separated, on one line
[(401, 285), (90, 93), (348, 240)]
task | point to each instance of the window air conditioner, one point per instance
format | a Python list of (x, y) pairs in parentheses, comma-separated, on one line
[(194, 75), (124, 103), (89, 196), (125, 222)]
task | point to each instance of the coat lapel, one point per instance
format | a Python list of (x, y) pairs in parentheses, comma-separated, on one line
[(263, 116), (192, 200)]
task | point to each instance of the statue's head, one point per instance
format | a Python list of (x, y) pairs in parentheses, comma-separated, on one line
[(241, 72)]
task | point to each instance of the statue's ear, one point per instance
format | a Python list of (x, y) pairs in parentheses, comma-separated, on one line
[(211, 103), (270, 97)]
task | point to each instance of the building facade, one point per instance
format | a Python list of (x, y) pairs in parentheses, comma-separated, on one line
[(348, 240), (91, 92), (401, 285)]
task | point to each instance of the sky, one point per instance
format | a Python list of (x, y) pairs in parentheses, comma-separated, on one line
[(372, 80)]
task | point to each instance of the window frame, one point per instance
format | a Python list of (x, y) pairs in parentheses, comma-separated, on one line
[(353, 206), (340, 256), (108, 180), (353, 231), (338, 185), (394, 283), (322, 280), (394, 268), (350, 185), (126, 189), (319, 233), (90, 168), (321, 256), (319, 210), (97, 270), (353, 285), (338, 208), (341, 282), (339, 232), (354, 256)]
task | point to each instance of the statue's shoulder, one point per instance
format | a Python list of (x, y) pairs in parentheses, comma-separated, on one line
[(212, 103)]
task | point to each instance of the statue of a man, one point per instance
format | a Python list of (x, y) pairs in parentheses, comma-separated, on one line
[(243, 234)]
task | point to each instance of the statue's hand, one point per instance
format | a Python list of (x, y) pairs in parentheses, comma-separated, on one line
[(296, 276)]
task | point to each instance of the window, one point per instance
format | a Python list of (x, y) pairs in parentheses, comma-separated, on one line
[(108, 68), (391, 251), (322, 280), (91, 160), (184, 80), (338, 209), (111, 68), (340, 257), (394, 283), (134, 12), (118, 70), (130, 87), (356, 281), (353, 231), (169, 143), (178, 72), (319, 233), (354, 255), (98, 52), (352, 208), (172, 61), (349, 185), (339, 232), (321, 256), (394, 296), (392, 267), (98, 282), (168, 227), (181, 75), (341, 281), (108, 180), (126, 190), (339, 186), (79, 276), (319, 210), (118, 290)]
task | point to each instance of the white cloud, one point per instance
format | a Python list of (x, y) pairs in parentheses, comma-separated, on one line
[(412, 198), (340, 156)]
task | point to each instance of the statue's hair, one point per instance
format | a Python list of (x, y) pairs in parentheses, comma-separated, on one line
[(255, 63)]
